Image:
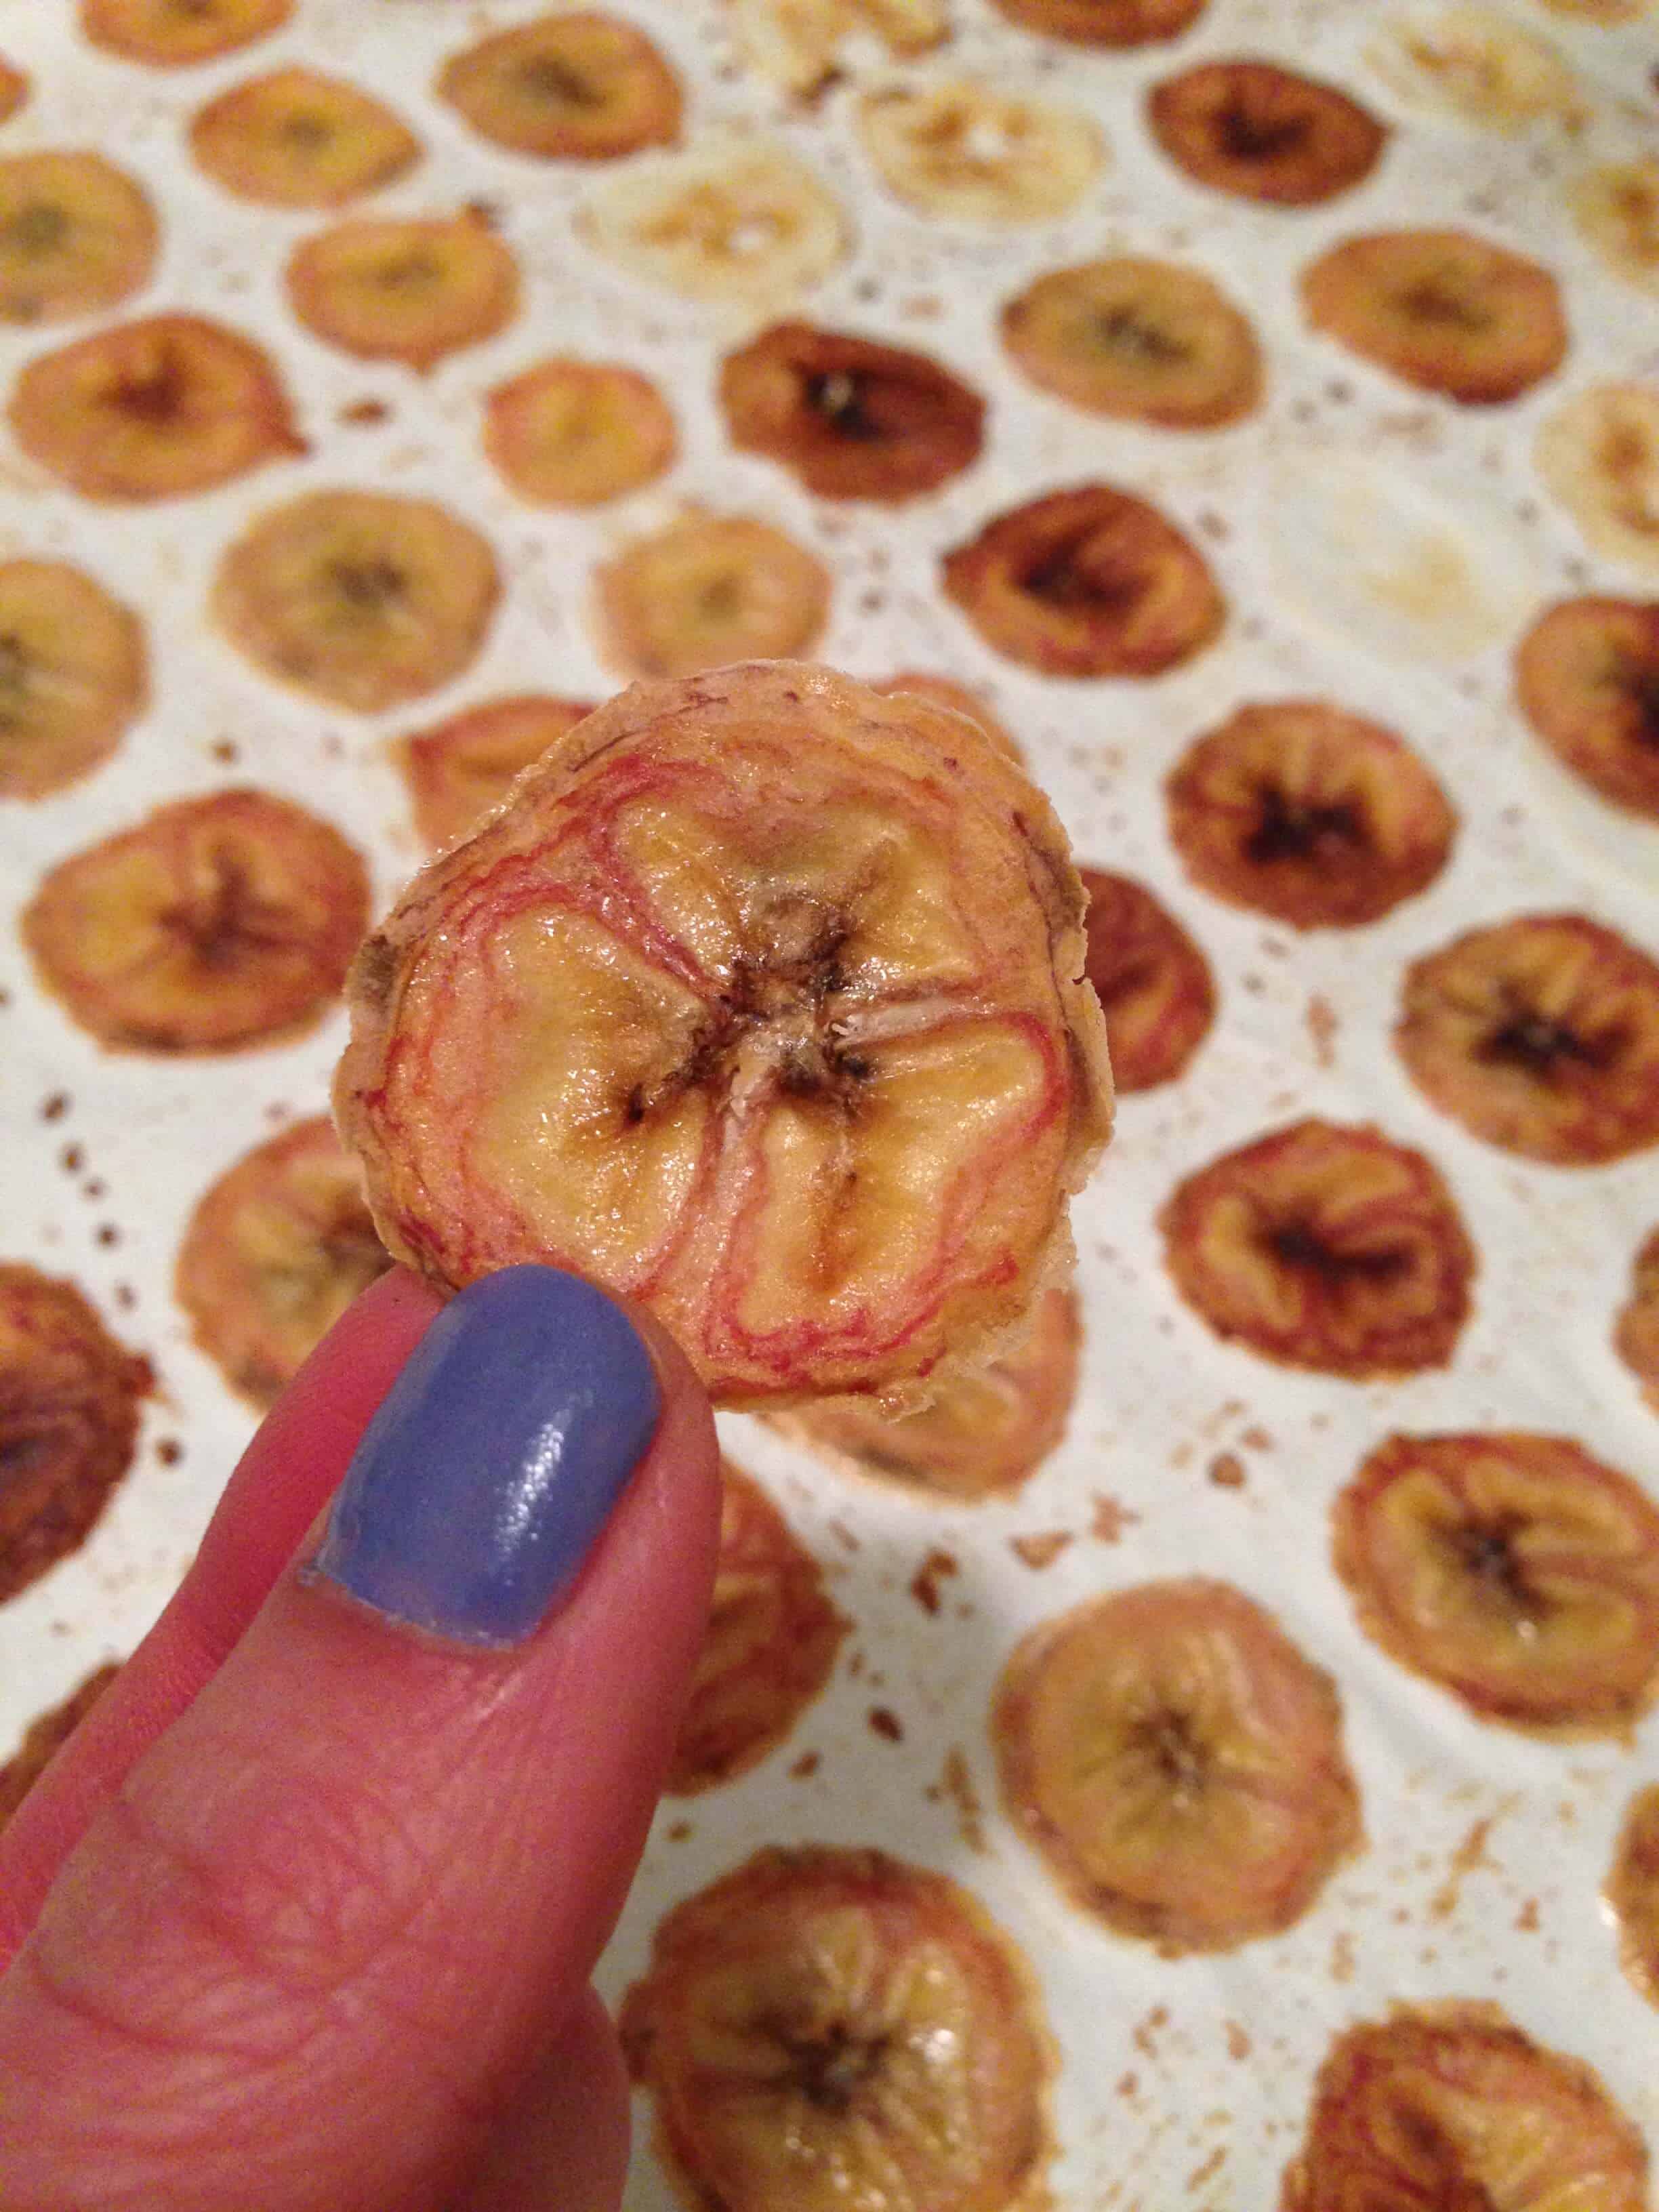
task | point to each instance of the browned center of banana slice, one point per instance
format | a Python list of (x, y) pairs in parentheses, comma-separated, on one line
[(46, 1737), (1636, 1336), (359, 597), (1145, 339), (153, 409), (575, 86), (1324, 1246), (1616, 208), (216, 923), (409, 290), (1088, 582), (1587, 674), (294, 138), (76, 234), (1153, 984), (275, 1251), (1451, 2107), (1265, 133), (709, 590), (1515, 1570), (1540, 1036), (946, 691), (835, 2031), (72, 676), (967, 150), (1104, 22), (986, 1431), (769, 1647), (458, 771), (68, 1421), (1316, 816), (13, 90), (579, 432), (176, 33), (1446, 311), (1632, 1892), (760, 1003), (1178, 1763), (851, 419), (1599, 455)]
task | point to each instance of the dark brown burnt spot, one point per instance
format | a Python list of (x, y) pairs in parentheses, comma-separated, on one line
[(1249, 130), (38, 227), (157, 394), (229, 919), (1539, 1045), (1171, 1747), (1444, 304), (545, 76), (1485, 1550), (368, 587), (1298, 1245), (832, 2067), (1074, 574), (841, 399), (1639, 682), (374, 971), (1287, 829), (1120, 331)]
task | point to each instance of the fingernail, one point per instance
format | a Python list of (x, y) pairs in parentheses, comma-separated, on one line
[(481, 1485)]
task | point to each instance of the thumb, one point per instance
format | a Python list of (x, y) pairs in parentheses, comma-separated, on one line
[(318, 1941)]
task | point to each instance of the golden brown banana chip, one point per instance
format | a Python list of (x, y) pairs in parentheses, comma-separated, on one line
[(835, 2031), (1087, 582), (1105, 23), (707, 591), (962, 149), (1178, 1763), (1587, 676), (1144, 339), (758, 1003), (1599, 455), (276, 1250), (1265, 133), (1477, 66), (1318, 817), (68, 1421), (413, 290), (768, 1651), (1154, 985), (153, 409), (14, 89), (572, 87), (1326, 1248), (214, 924), (1450, 2105), (851, 419), (46, 1737), (362, 598), (297, 139), (798, 44), (1616, 209), (1513, 1570), (1603, 12), (1636, 1336), (177, 34), (458, 771), (946, 691), (72, 676), (1446, 311), (579, 432), (1632, 1892), (76, 236), (1540, 1036)]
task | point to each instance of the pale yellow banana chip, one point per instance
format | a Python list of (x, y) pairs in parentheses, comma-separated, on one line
[(1599, 455), (963, 149), (1479, 66), (802, 45)]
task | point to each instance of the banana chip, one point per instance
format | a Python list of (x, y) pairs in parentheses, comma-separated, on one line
[(944, 691), (1477, 66), (72, 676), (1144, 339), (800, 45), (177, 34), (579, 432), (76, 236), (457, 772), (1153, 984), (46, 1737), (1104, 22), (1264, 133), (572, 87), (1632, 1892), (1599, 455), (404, 290), (707, 591), (1616, 208), (963, 149), (297, 139), (13, 90), (1636, 1335), (1587, 676)]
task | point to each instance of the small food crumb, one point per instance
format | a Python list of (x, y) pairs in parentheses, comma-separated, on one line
[(1238, 2043), (225, 750), (362, 412), (1526, 1920), (169, 1451), (1039, 1551), (72, 1160), (679, 1831), (1256, 1439), (54, 1108), (885, 1724), (805, 1766), (924, 1583), (957, 1783), (1342, 1956), (1227, 1471), (1111, 1519)]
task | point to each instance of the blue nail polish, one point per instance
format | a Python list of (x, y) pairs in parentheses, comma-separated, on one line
[(481, 1485)]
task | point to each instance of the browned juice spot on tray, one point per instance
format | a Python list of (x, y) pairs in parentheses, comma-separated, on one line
[(574, 87), (294, 138), (1265, 133), (1153, 982), (73, 676)]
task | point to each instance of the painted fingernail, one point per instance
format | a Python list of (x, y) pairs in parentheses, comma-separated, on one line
[(481, 1485)]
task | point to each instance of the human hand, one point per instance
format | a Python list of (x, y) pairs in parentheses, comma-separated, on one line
[(304, 1915)]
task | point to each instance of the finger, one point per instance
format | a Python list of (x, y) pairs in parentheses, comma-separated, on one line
[(563, 2146), (286, 1476), (325, 1925)]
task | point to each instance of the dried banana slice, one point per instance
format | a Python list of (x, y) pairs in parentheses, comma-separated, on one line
[(1451, 2106), (1616, 209), (1265, 133), (1148, 340), (411, 291), (986, 1432), (1091, 581), (963, 149), (72, 676), (177, 34), (1540, 1036), (1515, 1570), (760, 1003), (1477, 66), (46, 1737), (1632, 1892), (1104, 22), (1636, 1338), (849, 418), (1153, 984), (458, 771), (1599, 455), (1325, 1247), (1587, 676), (709, 590), (574, 87), (1603, 12), (216, 923), (359, 597), (944, 691), (154, 410), (294, 138), (1178, 1763), (13, 90), (68, 1421), (800, 45), (767, 1652), (275, 1251), (1444, 310), (76, 236), (579, 432), (836, 2031), (1318, 817)]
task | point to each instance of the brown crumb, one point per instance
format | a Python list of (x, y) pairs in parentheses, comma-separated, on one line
[(885, 1724), (678, 1832), (1041, 1551), (805, 1766), (1238, 2043), (55, 1107), (169, 1451), (1227, 1471), (1470, 1855), (1342, 1956), (72, 1160), (1111, 1519), (1526, 1920), (924, 1583), (1256, 1439), (957, 1783), (1145, 2031), (362, 412), (1323, 1023), (224, 750)]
